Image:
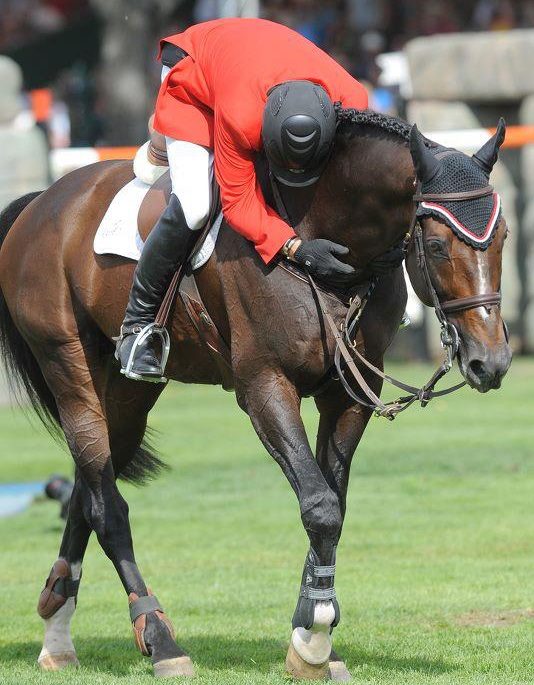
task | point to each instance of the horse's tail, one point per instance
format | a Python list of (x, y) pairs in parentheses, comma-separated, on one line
[(25, 377), (22, 370)]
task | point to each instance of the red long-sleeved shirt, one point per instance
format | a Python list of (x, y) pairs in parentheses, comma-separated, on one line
[(216, 96)]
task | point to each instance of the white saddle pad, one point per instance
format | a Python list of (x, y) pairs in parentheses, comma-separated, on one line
[(118, 233)]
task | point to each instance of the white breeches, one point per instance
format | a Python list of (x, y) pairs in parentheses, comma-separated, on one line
[(191, 168)]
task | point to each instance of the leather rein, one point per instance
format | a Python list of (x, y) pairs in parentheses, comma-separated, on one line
[(345, 335)]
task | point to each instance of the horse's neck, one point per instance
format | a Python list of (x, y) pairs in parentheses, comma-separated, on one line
[(364, 199)]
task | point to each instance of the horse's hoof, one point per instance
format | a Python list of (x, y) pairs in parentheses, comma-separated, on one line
[(339, 671), (57, 662), (302, 670), (171, 668)]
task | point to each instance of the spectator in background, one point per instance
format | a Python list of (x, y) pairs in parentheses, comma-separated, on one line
[(23, 20), (495, 15), (527, 13), (316, 20), (439, 16), (367, 15), (205, 10)]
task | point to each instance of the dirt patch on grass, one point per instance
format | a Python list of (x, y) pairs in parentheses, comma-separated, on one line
[(494, 619)]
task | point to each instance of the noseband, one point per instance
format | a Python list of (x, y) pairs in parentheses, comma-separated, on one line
[(345, 337)]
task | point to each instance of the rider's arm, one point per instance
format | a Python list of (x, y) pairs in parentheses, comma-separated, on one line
[(243, 203)]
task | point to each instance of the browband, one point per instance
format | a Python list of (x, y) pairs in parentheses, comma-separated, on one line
[(454, 197)]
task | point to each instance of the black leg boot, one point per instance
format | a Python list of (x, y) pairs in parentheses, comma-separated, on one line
[(166, 249)]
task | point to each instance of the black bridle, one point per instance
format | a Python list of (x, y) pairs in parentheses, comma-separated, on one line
[(345, 337)]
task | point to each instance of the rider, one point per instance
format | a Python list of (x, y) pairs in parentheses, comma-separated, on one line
[(230, 88)]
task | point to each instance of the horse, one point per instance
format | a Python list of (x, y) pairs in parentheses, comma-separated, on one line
[(61, 305)]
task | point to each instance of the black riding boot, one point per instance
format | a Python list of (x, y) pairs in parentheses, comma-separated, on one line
[(166, 249)]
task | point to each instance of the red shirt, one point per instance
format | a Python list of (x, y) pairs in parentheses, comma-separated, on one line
[(216, 96)]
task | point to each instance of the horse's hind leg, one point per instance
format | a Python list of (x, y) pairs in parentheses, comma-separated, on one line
[(127, 405), (58, 599), (78, 386)]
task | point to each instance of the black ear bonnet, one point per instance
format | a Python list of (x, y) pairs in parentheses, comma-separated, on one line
[(473, 221), (441, 170)]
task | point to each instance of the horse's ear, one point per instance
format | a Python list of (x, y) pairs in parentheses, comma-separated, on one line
[(426, 165), (489, 152)]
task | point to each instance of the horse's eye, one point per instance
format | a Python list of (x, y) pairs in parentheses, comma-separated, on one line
[(437, 248)]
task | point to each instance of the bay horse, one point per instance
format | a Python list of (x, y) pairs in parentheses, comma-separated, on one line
[(61, 305)]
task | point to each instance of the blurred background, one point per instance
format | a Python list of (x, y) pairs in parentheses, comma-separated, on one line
[(78, 80)]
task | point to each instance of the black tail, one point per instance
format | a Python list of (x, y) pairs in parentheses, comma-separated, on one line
[(23, 373), (26, 379)]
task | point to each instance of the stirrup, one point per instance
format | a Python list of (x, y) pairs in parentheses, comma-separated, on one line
[(146, 332)]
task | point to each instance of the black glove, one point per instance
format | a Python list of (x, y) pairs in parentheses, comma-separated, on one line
[(320, 259), (387, 262)]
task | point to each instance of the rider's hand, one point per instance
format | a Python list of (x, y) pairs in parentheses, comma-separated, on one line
[(320, 257)]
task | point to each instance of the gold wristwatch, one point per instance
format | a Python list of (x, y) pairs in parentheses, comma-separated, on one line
[(289, 248)]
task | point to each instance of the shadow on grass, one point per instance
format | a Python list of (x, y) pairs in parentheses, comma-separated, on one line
[(217, 652), (356, 656)]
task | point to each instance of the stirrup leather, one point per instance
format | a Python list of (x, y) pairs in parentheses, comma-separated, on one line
[(141, 336)]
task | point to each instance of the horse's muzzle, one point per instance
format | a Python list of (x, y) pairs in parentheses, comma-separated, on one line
[(484, 368)]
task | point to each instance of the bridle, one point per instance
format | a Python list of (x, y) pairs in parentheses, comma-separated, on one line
[(345, 337)]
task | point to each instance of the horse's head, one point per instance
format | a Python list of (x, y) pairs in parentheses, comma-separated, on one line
[(463, 240)]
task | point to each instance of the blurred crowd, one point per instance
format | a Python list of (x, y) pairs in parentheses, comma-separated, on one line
[(340, 26), (354, 31), (58, 42), (22, 21)]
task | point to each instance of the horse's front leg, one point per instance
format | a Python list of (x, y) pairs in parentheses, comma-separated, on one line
[(273, 405), (341, 426)]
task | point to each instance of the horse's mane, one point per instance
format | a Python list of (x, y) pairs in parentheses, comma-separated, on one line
[(350, 119)]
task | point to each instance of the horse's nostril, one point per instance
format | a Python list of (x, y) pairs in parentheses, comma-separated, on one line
[(477, 368)]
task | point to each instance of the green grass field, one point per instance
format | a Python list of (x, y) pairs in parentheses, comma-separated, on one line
[(435, 569)]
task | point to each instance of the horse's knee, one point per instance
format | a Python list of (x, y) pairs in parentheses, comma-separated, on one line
[(321, 514)]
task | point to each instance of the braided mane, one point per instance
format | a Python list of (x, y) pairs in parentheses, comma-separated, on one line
[(349, 118)]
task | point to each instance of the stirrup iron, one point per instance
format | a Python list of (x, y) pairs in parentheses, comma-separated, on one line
[(146, 332)]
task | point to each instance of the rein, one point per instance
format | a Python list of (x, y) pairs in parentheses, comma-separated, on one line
[(345, 335)]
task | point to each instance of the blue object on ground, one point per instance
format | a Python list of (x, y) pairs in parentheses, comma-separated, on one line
[(15, 497)]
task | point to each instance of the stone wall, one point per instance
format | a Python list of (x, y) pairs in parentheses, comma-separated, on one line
[(473, 67)]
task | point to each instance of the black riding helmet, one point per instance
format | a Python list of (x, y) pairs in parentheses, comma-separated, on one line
[(299, 124)]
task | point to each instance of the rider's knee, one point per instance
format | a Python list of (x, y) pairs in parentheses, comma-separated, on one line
[(197, 215)]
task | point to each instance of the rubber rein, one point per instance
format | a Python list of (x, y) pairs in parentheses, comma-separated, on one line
[(345, 335)]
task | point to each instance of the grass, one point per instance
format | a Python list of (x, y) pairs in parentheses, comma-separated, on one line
[(435, 569)]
